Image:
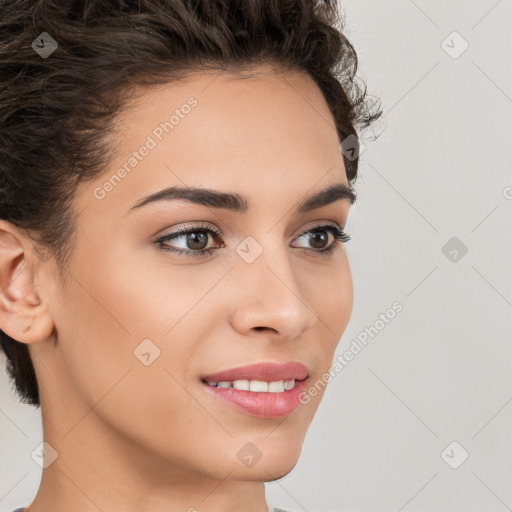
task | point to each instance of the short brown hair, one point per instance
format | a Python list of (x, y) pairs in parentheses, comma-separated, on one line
[(55, 112)]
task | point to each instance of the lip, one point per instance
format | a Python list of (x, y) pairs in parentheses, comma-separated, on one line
[(260, 404), (261, 371)]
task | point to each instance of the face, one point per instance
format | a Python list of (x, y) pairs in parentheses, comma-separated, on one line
[(147, 311)]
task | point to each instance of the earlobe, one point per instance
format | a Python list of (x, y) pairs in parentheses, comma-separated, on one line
[(23, 316)]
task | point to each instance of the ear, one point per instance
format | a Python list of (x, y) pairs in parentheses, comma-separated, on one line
[(20, 301)]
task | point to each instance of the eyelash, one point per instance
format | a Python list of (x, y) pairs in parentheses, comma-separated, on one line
[(339, 236)]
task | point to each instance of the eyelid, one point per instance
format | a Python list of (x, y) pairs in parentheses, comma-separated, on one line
[(204, 225), (321, 223)]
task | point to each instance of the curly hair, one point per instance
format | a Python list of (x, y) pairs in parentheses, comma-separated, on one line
[(57, 111)]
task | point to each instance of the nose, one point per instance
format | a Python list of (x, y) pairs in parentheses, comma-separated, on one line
[(268, 297)]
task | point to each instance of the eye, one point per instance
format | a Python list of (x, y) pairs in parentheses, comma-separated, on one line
[(319, 237), (195, 239), (193, 243)]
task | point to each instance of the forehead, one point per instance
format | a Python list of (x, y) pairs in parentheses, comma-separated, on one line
[(256, 133)]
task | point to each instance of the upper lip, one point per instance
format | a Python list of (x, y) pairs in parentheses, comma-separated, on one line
[(261, 371)]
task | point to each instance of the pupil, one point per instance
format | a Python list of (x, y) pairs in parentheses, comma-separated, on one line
[(199, 238), (319, 235)]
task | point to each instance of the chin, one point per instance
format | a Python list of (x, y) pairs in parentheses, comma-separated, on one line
[(264, 472), (272, 459)]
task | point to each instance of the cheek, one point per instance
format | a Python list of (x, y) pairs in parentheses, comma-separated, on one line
[(329, 291), (108, 315), (133, 309)]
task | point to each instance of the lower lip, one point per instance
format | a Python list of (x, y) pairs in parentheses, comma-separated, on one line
[(261, 404)]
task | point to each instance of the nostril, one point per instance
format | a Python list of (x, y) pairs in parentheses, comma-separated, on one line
[(264, 328)]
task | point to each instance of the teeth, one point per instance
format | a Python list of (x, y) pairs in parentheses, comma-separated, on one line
[(243, 385), (259, 386), (256, 385), (276, 386), (289, 384)]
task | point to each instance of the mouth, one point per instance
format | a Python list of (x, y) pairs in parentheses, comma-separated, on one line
[(263, 372), (264, 390), (254, 385)]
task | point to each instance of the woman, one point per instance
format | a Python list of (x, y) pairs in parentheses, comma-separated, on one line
[(176, 177)]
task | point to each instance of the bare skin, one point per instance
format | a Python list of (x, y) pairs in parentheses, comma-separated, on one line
[(132, 437)]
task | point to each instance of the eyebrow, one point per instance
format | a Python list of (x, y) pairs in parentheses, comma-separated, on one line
[(240, 204)]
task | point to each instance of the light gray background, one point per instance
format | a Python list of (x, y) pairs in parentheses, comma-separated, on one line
[(441, 370)]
